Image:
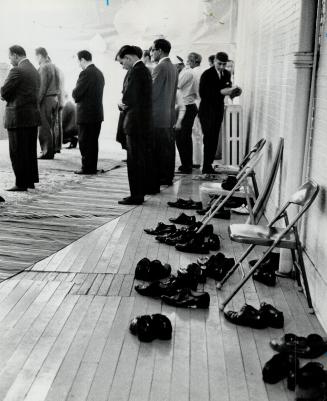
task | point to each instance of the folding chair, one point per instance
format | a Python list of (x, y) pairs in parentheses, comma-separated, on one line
[(272, 237), (242, 184)]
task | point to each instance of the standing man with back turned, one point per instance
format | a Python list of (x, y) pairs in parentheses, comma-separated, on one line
[(164, 87), (22, 117), (88, 95), (49, 98), (211, 110)]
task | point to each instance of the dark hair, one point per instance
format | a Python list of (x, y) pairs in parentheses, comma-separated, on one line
[(162, 44), (17, 50), (211, 58), (85, 54), (146, 53), (196, 57), (130, 50), (41, 51)]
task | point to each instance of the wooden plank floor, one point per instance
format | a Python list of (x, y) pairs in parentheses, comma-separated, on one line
[(64, 323)]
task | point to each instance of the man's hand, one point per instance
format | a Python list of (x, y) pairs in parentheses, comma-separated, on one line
[(122, 107)]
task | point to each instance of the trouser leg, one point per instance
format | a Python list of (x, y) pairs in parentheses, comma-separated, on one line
[(136, 166), (88, 144)]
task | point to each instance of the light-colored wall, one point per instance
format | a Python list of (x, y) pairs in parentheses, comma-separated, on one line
[(269, 35)]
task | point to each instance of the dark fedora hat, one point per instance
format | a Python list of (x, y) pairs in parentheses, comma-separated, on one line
[(222, 57)]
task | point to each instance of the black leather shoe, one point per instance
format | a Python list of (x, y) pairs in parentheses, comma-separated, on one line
[(168, 287), (185, 204), (195, 245), (31, 186), (208, 170), (42, 157), (213, 242), (2, 199), (16, 189), (247, 316), (273, 317), (311, 382), (142, 326), (279, 367), (84, 172), (131, 201), (271, 263), (194, 272), (161, 229), (186, 298), (229, 183), (265, 277), (183, 219)]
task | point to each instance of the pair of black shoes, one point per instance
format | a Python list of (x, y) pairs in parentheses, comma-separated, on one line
[(147, 270), (183, 219), (309, 381), (161, 229), (265, 272), (150, 327), (216, 266), (185, 204), (266, 316), (169, 287), (279, 367), (200, 243)]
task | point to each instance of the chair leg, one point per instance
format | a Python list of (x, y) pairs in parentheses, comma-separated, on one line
[(231, 271), (296, 267), (255, 185), (304, 277), (245, 279)]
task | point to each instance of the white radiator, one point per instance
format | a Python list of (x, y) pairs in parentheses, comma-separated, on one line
[(232, 135)]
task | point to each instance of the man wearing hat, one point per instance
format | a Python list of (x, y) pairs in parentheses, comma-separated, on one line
[(211, 109)]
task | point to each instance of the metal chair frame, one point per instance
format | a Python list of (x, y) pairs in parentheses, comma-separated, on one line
[(303, 198)]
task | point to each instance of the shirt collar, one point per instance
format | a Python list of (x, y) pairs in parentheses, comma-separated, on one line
[(164, 58), (137, 61), (23, 59)]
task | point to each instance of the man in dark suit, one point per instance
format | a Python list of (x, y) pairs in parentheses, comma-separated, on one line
[(22, 117), (164, 86), (136, 121), (88, 95), (211, 109)]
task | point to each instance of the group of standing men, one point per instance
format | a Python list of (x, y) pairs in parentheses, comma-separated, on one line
[(153, 118), (34, 99)]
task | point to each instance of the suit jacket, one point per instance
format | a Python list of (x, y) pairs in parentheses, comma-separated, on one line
[(88, 95), (49, 80), (165, 78), (210, 87), (21, 90), (121, 136), (137, 97)]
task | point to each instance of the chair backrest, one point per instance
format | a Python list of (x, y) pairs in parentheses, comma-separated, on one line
[(256, 148), (261, 202), (306, 194), (303, 197), (252, 159)]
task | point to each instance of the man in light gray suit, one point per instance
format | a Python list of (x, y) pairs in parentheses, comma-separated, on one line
[(164, 86)]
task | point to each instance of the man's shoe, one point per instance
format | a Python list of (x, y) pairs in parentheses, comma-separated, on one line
[(265, 277), (244, 210), (31, 186), (149, 271), (208, 170), (195, 245), (16, 189), (84, 172), (169, 183), (43, 157), (2, 199), (273, 317), (196, 165), (247, 316), (184, 170), (186, 298), (279, 367), (310, 382), (183, 219), (161, 229), (131, 201)]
